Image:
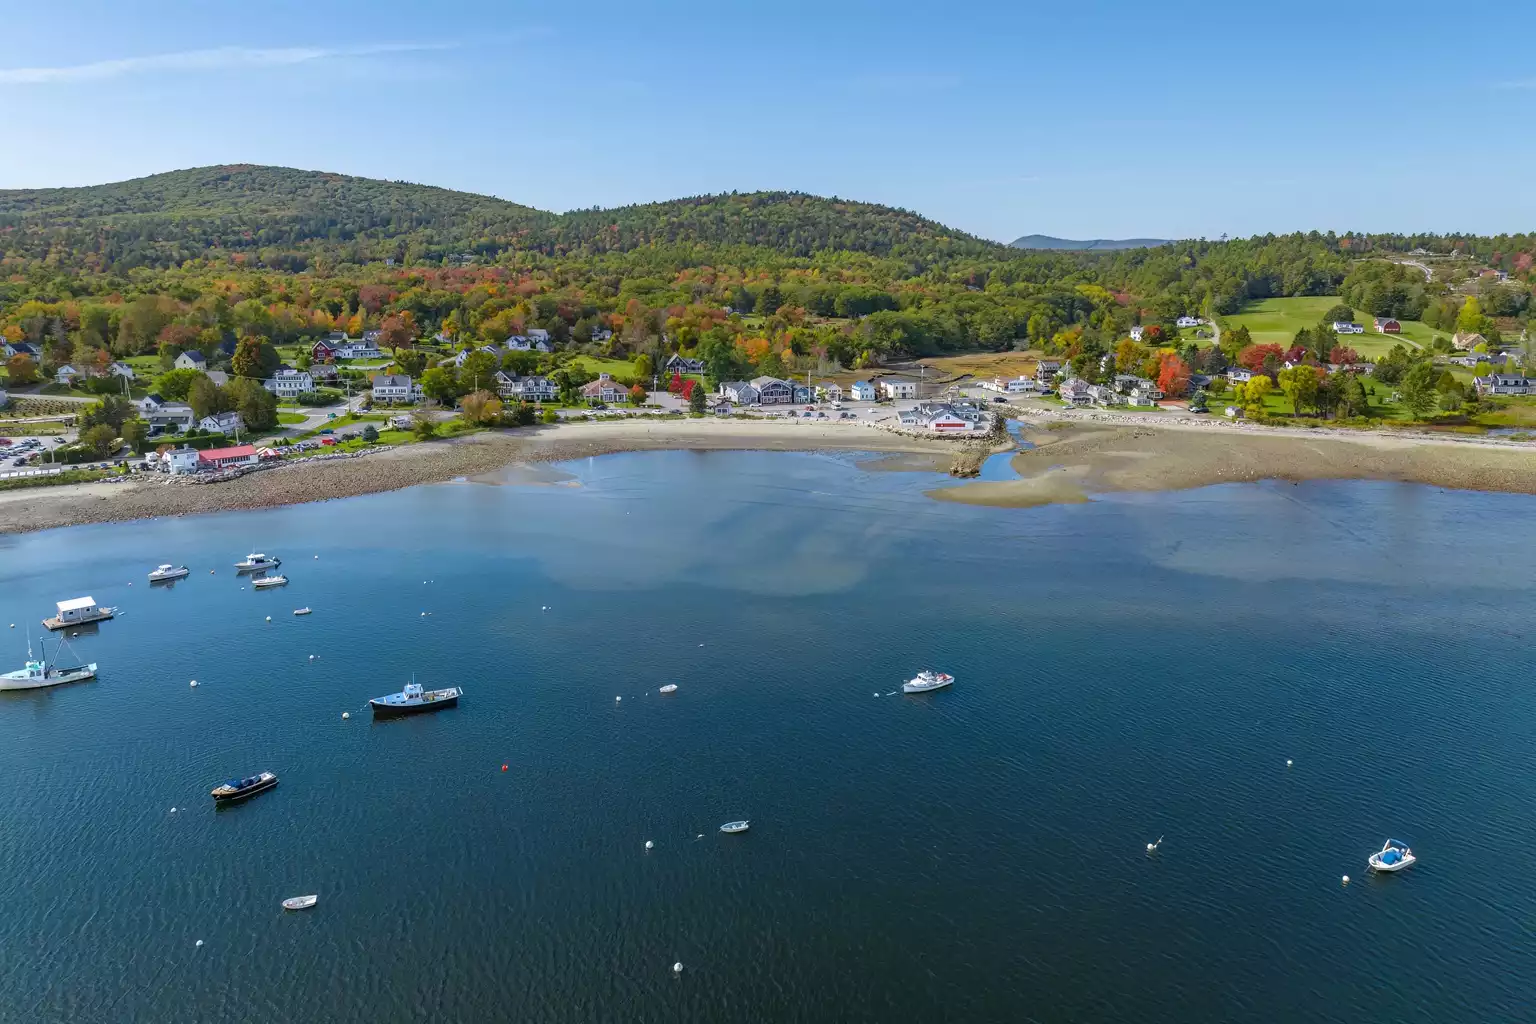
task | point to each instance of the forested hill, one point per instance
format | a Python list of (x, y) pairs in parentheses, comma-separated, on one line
[(1092, 244), (287, 217), (793, 223)]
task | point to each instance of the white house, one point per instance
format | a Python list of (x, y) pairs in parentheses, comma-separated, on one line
[(122, 370), (899, 388), (528, 343), (739, 392), (395, 387), (941, 418), (1346, 327), (773, 391), (1137, 332), (1074, 391), (1238, 375), (222, 423), (358, 349), (1504, 384), (829, 392), (601, 334), (862, 391), (1046, 371), (191, 359), (1105, 396), (287, 383), (65, 374), (525, 389), (540, 337), (179, 460), (1190, 321), (172, 416)]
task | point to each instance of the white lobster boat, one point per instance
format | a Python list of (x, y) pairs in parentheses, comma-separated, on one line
[(926, 680), (168, 572), (38, 673)]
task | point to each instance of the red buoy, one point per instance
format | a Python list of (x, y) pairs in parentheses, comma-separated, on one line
[(503, 767)]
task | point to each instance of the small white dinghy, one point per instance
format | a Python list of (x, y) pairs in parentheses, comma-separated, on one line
[(735, 826), (300, 902), (669, 688), (301, 611), (1394, 856), (270, 581)]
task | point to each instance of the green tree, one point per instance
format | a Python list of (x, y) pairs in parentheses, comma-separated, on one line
[(370, 433), (440, 385), (696, 400), (411, 362), (1418, 389), (100, 439), (256, 405), (478, 371), (1339, 313), (1300, 385), (1354, 400), (1470, 320), (254, 358), (423, 427), (112, 411), (176, 384), (1254, 393), (206, 398), (136, 434), (643, 367)]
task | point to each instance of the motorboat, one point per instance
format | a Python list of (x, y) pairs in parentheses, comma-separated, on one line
[(302, 611), (414, 699), (256, 561), (300, 902), (264, 582), (242, 789), (1393, 856), (925, 681), (669, 688), (168, 572), (735, 826), (37, 673)]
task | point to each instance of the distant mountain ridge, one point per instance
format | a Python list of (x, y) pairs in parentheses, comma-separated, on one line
[(1101, 244)]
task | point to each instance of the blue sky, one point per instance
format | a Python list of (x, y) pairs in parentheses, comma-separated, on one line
[(1082, 119)]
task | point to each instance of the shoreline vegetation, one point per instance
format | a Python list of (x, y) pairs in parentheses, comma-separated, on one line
[(1075, 457)]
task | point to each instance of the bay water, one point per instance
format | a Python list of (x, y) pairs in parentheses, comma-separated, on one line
[(1140, 666)]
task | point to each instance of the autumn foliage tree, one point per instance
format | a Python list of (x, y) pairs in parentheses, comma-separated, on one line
[(637, 395), (1172, 375), (675, 385), (480, 407), (1254, 357), (395, 334), (1342, 355), (689, 387), (21, 369)]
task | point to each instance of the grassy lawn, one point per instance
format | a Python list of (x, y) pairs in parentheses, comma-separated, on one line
[(1276, 321), (1277, 404), (619, 368), (69, 476), (290, 418)]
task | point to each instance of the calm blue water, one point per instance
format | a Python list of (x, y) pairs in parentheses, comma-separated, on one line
[(1139, 666)]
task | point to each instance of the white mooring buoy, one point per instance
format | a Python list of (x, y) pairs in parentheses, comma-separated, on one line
[(194, 682), (649, 844), (346, 715), (677, 968), (1345, 880), (1287, 762)]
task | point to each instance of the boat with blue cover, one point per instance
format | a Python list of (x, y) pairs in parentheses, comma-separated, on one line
[(1394, 856), (241, 789), (414, 699)]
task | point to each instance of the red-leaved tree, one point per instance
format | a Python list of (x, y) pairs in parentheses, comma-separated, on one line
[(1342, 354), (1172, 375), (1253, 357), (688, 386), (675, 386)]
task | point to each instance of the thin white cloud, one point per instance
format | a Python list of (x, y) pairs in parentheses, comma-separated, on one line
[(223, 58)]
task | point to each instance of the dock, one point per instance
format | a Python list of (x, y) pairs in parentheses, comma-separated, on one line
[(77, 612)]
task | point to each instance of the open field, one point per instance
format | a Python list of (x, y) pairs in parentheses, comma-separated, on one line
[(1276, 321), (621, 369), (986, 365)]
